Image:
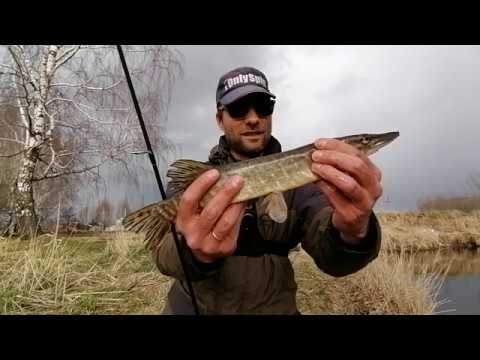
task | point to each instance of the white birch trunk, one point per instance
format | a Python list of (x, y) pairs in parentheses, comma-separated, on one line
[(26, 218), (77, 94)]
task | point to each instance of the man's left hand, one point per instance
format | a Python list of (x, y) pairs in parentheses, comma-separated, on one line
[(351, 183)]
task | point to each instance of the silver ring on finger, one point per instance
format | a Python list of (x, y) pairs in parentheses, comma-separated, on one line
[(215, 236)]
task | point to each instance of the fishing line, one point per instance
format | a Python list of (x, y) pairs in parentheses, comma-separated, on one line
[(151, 155)]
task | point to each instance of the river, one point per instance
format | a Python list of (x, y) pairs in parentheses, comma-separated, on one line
[(460, 289)]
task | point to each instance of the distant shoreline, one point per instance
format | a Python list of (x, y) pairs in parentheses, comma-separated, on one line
[(430, 230)]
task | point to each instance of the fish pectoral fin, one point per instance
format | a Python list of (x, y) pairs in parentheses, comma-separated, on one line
[(275, 206), (184, 172)]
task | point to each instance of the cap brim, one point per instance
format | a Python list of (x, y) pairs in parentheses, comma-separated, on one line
[(241, 92)]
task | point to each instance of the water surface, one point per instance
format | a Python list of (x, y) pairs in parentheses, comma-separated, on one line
[(461, 283)]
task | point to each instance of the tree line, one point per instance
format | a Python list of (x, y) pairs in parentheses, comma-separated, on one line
[(65, 115)]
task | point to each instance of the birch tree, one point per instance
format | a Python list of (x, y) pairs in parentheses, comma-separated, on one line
[(76, 115), (8, 168)]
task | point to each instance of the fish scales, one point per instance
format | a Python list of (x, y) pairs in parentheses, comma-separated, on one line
[(264, 176), (273, 173)]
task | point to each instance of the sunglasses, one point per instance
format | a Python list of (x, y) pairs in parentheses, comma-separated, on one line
[(263, 106)]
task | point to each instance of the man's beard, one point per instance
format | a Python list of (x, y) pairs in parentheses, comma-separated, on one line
[(238, 146)]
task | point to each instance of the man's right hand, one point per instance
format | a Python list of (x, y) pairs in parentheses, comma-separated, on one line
[(212, 232)]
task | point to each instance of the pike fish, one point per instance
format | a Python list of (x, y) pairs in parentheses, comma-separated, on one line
[(265, 179)]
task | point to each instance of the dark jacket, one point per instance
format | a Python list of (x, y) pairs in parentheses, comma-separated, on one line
[(258, 278)]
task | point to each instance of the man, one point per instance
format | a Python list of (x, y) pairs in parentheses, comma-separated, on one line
[(237, 256)]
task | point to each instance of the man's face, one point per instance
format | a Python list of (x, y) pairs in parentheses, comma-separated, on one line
[(247, 126)]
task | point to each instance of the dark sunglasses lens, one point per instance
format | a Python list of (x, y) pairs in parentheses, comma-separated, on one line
[(239, 109), (264, 107)]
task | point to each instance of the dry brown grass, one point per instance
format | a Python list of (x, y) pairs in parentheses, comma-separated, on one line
[(432, 230), (465, 203), (387, 286), (82, 276), (418, 249), (114, 274)]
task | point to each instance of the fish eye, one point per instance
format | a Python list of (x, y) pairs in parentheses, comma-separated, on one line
[(364, 140)]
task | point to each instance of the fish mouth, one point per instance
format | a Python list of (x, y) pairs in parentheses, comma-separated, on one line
[(384, 140), (388, 138), (391, 136)]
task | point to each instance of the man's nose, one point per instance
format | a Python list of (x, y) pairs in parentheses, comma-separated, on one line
[(252, 117)]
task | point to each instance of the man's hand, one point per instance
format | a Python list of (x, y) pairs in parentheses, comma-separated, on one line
[(211, 232), (351, 183)]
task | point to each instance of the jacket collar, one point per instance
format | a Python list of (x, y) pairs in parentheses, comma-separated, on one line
[(220, 154)]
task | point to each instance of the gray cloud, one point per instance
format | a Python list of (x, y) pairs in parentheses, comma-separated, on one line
[(428, 93)]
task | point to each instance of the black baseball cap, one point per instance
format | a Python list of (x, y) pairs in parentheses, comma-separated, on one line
[(240, 82)]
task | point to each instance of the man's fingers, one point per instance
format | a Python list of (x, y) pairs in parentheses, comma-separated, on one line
[(336, 145), (190, 200), (228, 246), (217, 205), (372, 166), (228, 220), (222, 240), (336, 199), (345, 183), (347, 213), (351, 164)]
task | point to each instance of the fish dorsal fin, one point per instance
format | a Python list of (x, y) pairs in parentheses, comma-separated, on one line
[(274, 205), (184, 172)]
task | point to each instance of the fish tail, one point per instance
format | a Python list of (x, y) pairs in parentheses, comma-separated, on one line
[(154, 220)]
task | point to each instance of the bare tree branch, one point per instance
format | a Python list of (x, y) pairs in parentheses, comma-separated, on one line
[(75, 114), (66, 125), (13, 155), (92, 88), (8, 73), (79, 108), (77, 171), (12, 140), (87, 106), (25, 71), (52, 161), (9, 67), (66, 56)]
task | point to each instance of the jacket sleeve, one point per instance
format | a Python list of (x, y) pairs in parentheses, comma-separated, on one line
[(323, 242), (168, 261)]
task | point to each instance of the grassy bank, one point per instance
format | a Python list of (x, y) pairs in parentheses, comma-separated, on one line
[(432, 230), (107, 274), (392, 285), (112, 273)]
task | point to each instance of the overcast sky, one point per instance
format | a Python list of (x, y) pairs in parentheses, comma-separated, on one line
[(431, 94)]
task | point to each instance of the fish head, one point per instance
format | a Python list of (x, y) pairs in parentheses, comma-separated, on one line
[(370, 143)]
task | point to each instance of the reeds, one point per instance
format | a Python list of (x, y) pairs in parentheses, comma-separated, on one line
[(114, 274), (387, 286), (465, 203), (432, 230), (50, 275)]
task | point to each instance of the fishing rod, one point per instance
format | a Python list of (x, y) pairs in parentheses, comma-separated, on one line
[(151, 155)]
